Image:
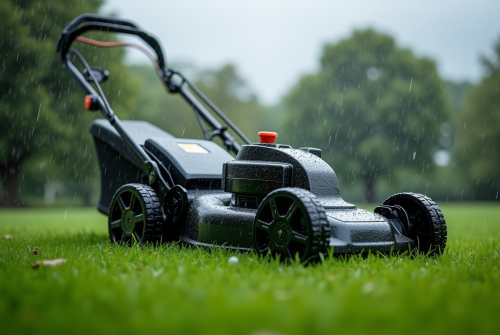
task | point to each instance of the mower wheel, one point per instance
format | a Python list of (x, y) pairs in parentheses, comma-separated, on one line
[(291, 222), (427, 226), (135, 215)]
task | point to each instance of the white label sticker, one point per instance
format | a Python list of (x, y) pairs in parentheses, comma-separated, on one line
[(193, 148)]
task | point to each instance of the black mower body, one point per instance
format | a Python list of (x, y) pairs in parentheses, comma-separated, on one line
[(224, 192), (270, 198)]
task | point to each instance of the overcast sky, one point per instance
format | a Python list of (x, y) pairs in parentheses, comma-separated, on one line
[(274, 42)]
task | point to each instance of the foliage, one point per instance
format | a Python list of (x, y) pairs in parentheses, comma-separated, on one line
[(458, 92), (478, 133), (43, 127), (224, 86), (155, 105), (372, 107), (22, 94), (106, 289), (228, 90)]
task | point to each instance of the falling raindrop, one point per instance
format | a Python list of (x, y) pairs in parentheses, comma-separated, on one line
[(373, 73), (442, 157)]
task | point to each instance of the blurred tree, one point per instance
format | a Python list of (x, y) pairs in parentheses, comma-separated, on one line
[(43, 127), (373, 107), (21, 97), (478, 133), (458, 92), (224, 86), (157, 106), (229, 91)]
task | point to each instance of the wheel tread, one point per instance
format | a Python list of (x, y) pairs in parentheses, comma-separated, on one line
[(439, 228), (153, 213), (317, 215)]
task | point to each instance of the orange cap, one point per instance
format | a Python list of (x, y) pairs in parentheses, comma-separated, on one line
[(267, 136), (87, 102)]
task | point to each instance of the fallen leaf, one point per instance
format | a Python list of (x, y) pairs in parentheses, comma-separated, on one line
[(49, 262), (54, 262)]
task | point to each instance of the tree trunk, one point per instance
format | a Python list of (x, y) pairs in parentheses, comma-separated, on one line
[(370, 189), (9, 174), (86, 198)]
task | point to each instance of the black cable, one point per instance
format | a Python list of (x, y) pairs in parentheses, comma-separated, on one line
[(89, 70), (212, 106), (193, 88)]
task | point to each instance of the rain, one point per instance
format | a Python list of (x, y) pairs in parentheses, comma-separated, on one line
[(254, 167)]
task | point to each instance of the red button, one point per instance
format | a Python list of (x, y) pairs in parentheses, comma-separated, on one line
[(267, 136), (87, 102)]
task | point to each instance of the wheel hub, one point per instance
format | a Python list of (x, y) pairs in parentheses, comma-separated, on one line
[(280, 235), (128, 221)]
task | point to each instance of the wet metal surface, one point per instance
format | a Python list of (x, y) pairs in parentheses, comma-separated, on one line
[(355, 216), (310, 172), (359, 231), (211, 220)]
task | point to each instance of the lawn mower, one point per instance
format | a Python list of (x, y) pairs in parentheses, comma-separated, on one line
[(270, 197)]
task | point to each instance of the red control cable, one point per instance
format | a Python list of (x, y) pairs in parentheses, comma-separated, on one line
[(102, 44)]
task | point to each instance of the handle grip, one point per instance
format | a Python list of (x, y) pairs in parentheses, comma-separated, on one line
[(104, 24)]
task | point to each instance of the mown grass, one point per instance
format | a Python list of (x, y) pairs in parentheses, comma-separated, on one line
[(171, 289)]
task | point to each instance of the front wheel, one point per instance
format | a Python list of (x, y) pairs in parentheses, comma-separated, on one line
[(291, 222), (426, 224), (135, 215)]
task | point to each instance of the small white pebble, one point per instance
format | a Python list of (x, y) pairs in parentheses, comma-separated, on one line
[(233, 260)]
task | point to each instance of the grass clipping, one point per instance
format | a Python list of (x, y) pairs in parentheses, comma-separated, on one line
[(48, 262)]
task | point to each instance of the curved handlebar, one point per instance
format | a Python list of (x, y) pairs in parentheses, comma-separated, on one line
[(99, 23), (96, 18), (90, 22)]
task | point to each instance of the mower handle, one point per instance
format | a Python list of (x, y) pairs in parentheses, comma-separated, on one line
[(100, 23), (97, 18), (89, 22), (89, 18)]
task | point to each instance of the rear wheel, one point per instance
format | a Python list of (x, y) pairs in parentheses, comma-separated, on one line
[(291, 222), (135, 215), (426, 223)]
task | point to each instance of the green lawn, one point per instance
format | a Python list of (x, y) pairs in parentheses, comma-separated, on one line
[(111, 289)]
